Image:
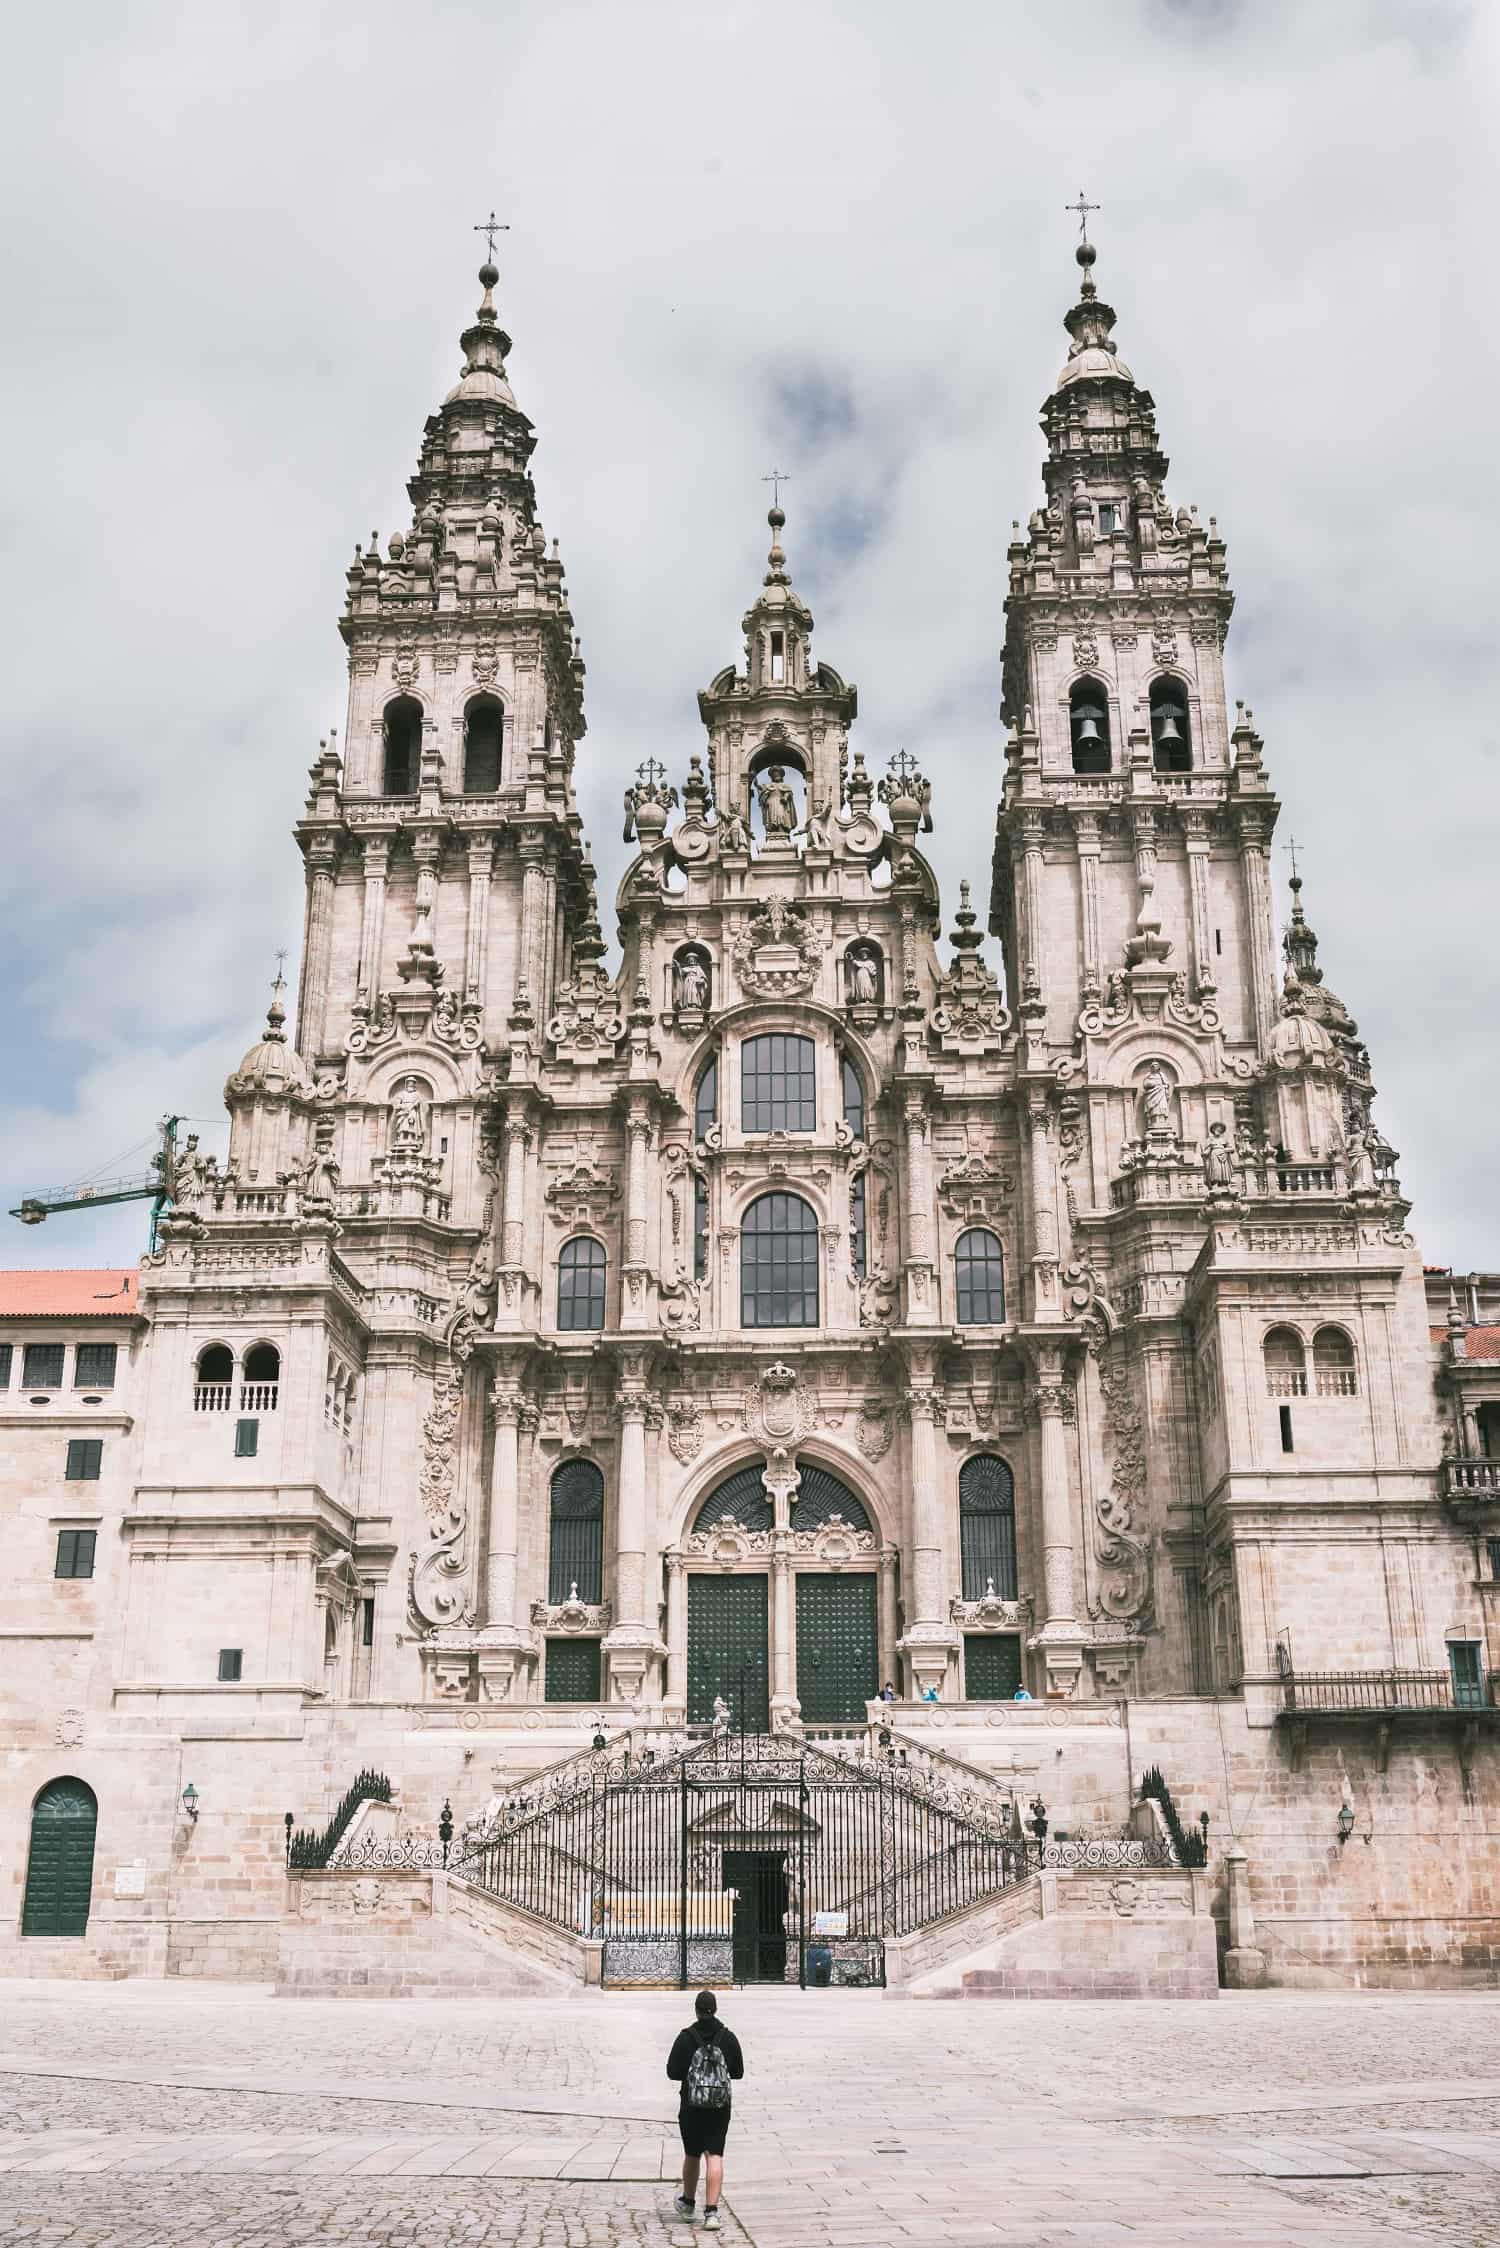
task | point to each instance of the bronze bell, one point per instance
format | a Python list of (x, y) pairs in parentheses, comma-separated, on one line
[(1087, 733), (1168, 732)]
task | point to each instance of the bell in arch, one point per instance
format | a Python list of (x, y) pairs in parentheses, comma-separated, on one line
[(1168, 732), (1087, 734)]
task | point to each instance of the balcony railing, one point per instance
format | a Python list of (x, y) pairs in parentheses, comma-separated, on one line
[(1379, 1693), (212, 1397), (1471, 1477), (258, 1397)]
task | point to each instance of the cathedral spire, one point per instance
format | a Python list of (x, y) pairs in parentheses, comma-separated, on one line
[(485, 347)]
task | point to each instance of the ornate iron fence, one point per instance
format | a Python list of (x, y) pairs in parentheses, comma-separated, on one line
[(756, 1858)]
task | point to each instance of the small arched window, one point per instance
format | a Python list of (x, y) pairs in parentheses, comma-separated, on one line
[(778, 1084), (484, 734), (1088, 722), (260, 1378), (213, 1379), (1171, 738), (575, 1566), (402, 729), (1286, 1363), (779, 1263), (580, 1286), (60, 1864), (979, 1276), (1334, 1370), (987, 1527)]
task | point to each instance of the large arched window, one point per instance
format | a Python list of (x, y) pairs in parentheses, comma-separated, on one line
[(1286, 1363), (213, 1379), (822, 1495), (1088, 721), (779, 1263), (484, 733), (987, 1527), (575, 1565), (979, 1276), (854, 1116), (60, 1864), (1334, 1370), (1171, 740), (777, 1090), (580, 1285), (742, 1499), (260, 1379), (403, 746)]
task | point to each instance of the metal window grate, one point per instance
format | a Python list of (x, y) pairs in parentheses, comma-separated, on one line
[(42, 1367), (987, 1527), (94, 1365), (577, 1544)]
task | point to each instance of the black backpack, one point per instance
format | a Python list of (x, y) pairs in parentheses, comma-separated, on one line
[(707, 2084)]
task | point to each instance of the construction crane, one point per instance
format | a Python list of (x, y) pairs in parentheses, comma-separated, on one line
[(154, 1186)]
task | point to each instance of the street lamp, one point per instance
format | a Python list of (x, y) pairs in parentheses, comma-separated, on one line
[(1038, 1820), (445, 1827), (190, 1802), (1345, 1822)]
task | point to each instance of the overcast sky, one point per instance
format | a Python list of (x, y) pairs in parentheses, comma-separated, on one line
[(237, 257)]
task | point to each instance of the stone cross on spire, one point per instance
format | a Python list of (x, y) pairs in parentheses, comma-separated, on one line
[(776, 479), (489, 228)]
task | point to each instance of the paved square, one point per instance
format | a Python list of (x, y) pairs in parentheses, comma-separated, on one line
[(139, 2113)]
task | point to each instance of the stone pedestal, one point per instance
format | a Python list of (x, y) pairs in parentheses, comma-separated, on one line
[(1244, 1961)]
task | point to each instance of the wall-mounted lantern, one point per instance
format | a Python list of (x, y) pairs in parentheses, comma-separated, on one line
[(190, 1802)]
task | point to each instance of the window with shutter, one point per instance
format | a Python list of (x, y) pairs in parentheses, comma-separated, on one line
[(231, 1661), (85, 1453), (43, 1366), (75, 1553), (246, 1439), (94, 1365)]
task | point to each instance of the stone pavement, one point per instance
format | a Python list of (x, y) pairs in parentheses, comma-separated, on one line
[(188, 2114)]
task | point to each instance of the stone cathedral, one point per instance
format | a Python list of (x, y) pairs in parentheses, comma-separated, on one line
[(795, 1309)]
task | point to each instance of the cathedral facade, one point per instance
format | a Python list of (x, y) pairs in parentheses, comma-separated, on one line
[(797, 1309)]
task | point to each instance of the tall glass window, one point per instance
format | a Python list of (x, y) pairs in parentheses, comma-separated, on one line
[(577, 1548), (779, 1263), (854, 1097), (700, 1227), (979, 1271), (987, 1527), (777, 1091), (580, 1285), (706, 1099)]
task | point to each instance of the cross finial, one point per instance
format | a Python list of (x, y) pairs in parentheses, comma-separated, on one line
[(652, 771), (281, 964), (776, 479), (1083, 209), (1291, 848), (903, 765), (489, 228)]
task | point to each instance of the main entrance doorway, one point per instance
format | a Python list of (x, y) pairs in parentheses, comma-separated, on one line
[(727, 1650), (60, 1864), (757, 1882), (838, 1652)]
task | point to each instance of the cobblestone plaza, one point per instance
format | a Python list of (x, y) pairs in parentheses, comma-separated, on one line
[(150, 2113)]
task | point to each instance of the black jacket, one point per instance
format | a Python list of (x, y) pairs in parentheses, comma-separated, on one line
[(686, 2044)]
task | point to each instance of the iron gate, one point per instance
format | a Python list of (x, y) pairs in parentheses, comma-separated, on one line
[(746, 1858)]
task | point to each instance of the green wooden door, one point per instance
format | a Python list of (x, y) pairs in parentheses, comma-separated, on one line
[(572, 1670), (60, 1866), (727, 1643), (838, 1653), (992, 1666)]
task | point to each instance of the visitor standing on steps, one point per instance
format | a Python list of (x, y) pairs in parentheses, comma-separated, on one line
[(703, 2060)]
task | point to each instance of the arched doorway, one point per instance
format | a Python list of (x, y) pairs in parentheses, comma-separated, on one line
[(60, 1863)]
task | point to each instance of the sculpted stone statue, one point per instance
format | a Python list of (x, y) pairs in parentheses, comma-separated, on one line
[(408, 1119), (1361, 1164), (1156, 1100), (818, 838), (1220, 1165), (188, 1180), (778, 806), (721, 1717), (692, 984), (864, 980), (732, 831)]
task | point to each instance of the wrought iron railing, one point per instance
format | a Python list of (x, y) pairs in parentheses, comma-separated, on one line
[(1310, 1692), (312, 1852)]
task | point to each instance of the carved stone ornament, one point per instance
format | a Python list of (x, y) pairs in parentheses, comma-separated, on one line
[(872, 1430), (1123, 1554), (436, 1580), (777, 1409), (776, 954), (833, 1543), (1085, 651), (877, 1299), (727, 1544), (582, 1195), (990, 1612), (68, 1731), (1163, 645), (486, 664), (975, 1188), (573, 1616), (685, 1431)]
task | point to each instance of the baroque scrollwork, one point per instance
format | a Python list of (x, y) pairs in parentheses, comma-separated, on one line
[(1123, 1553)]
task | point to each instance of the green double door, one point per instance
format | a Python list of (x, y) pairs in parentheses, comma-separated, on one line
[(60, 1862), (838, 1649)]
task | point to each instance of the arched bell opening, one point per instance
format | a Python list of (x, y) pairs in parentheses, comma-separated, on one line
[(1088, 724), (1171, 735), (401, 731)]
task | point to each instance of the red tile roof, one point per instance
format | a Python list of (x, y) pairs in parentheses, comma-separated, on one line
[(1482, 1342), (114, 1294)]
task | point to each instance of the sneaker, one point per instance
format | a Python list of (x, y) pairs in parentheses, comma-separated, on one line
[(710, 2220), (682, 2208)]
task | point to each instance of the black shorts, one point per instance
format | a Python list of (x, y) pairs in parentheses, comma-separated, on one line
[(703, 2129)]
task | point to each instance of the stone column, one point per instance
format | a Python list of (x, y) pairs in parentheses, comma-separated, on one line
[(1244, 1961), (886, 1629), (930, 1638), (1061, 1637), (1253, 838), (921, 1306), (1033, 824), (476, 950), (505, 1505), (1086, 827), (1195, 829), (1043, 1210), (513, 1206), (377, 854), (635, 1308), (533, 901), (632, 1645), (677, 1600), (317, 949), (783, 1637)]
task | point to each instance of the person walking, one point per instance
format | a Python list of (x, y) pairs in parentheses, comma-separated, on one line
[(703, 2060)]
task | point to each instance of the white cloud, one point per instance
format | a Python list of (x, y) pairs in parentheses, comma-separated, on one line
[(237, 266)]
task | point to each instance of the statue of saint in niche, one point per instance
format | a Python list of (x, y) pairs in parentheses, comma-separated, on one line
[(778, 806), (692, 984), (864, 980), (408, 1119)]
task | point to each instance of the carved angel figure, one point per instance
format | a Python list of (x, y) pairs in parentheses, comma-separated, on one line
[(408, 1119), (778, 806)]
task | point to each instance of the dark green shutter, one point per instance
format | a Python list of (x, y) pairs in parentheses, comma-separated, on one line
[(992, 1666), (837, 1649), (60, 1864), (84, 1456), (572, 1670), (727, 1647), (246, 1439)]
